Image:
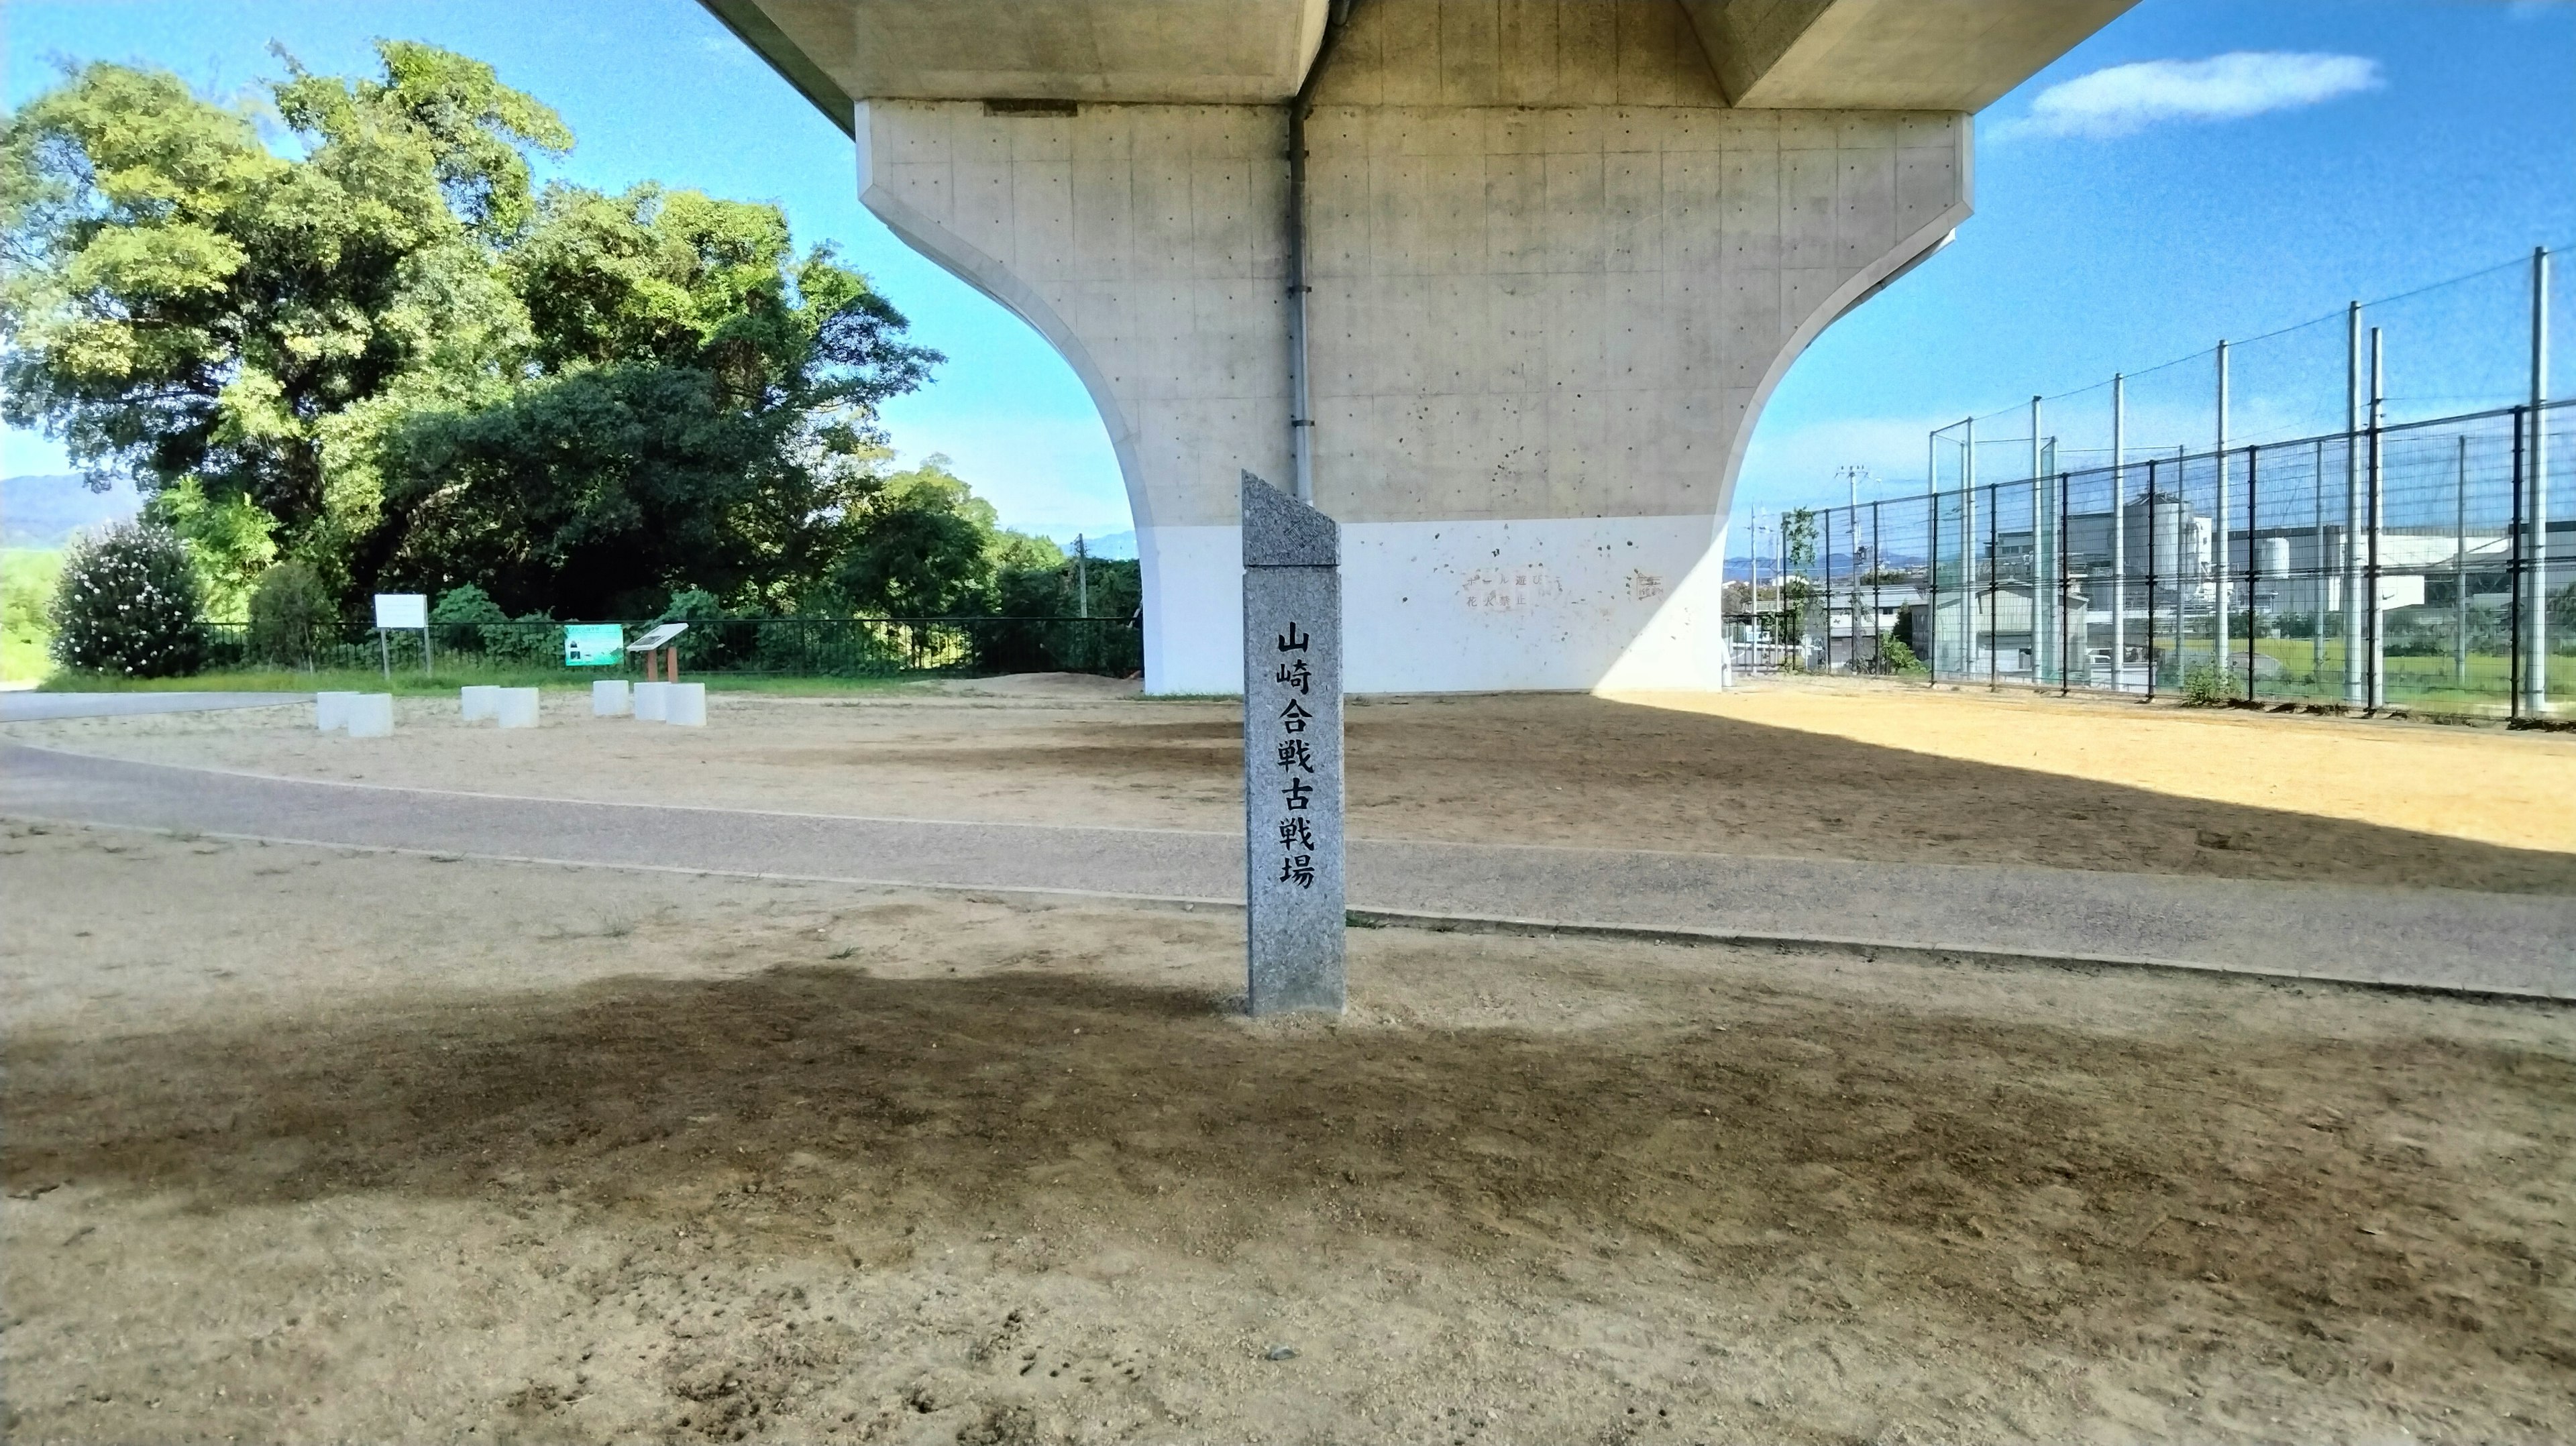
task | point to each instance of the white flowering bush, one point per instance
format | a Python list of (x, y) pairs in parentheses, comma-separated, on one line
[(127, 605)]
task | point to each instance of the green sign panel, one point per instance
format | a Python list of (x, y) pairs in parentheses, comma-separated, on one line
[(593, 645)]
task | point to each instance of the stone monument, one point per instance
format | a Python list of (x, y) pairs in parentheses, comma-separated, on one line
[(1292, 753)]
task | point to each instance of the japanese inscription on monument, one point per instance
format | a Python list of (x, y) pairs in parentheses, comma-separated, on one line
[(1292, 753)]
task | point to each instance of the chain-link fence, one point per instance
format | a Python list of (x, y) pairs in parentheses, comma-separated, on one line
[(2422, 565), (808, 647)]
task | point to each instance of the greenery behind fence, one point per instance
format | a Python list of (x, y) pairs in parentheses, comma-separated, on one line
[(804, 647)]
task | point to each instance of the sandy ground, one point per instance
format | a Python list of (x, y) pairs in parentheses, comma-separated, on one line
[(1877, 774), (309, 1145)]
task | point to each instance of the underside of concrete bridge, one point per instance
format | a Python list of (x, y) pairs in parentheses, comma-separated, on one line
[(1512, 318)]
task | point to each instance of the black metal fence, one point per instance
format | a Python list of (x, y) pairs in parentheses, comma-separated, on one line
[(2424, 565), (807, 647)]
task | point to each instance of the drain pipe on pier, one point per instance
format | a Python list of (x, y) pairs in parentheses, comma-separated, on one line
[(1301, 416)]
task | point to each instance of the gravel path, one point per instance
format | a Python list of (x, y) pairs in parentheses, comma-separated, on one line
[(25, 707), (2437, 939)]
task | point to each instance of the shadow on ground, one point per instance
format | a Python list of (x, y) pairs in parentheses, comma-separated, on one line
[(2040, 1172)]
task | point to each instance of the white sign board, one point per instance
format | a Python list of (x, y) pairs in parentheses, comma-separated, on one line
[(402, 610), (657, 638)]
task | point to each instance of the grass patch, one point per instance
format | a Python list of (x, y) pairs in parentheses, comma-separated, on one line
[(446, 681), (27, 579)]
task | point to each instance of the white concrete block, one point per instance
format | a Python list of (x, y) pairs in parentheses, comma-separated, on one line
[(651, 701), (331, 711), (685, 704), (478, 703), (370, 715), (611, 699), (516, 707)]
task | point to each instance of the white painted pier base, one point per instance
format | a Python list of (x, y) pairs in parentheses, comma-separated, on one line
[(1434, 607)]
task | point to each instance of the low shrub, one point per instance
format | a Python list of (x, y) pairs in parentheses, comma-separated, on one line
[(2204, 685), (293, 615)]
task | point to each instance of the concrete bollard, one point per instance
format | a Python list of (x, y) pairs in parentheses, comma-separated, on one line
[(477, 703), (331, 711), (650, 701), (685, 704), (518, 707), (612, 699), (371, 715)]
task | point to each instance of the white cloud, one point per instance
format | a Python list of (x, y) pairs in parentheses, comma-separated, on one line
[(2125, 99)]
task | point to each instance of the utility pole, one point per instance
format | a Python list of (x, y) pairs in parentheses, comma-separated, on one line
[(1081, 577)]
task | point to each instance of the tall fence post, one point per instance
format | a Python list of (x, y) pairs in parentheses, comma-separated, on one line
[(2065, 579), (2119, 531), (2153, 527), (2355, 686), (1968, 546), (2253, 565), (1994, 529), (2218, 569), (2039, 613), (2535, 611), (2317, 569), (2176, 558), (2513, 580), (1877, 576), (2460, 571), (1826, 595), (2378, 681), (1932, 587)]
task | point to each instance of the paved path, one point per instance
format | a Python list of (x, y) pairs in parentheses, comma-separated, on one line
[(2442, 939), (28, 707)]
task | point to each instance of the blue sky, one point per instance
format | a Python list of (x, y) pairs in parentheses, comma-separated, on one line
[(2136, 201)]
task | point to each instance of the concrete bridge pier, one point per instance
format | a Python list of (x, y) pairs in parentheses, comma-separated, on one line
[(1558, 254)]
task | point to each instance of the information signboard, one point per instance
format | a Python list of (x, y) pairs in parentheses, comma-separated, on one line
[(408, 611), (593, 645), (658, 637)]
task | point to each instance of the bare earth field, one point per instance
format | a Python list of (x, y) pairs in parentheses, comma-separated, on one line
[(310, 1145), (1869, 773)]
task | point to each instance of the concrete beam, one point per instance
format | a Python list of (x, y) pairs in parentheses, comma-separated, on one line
[(1170, 51), (1887, 54), (1954, 55)]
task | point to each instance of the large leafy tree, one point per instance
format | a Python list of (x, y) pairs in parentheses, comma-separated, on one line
[(700, 404), (417, 368), (180, 301)]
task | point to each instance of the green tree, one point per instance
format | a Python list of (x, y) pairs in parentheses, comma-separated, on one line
[(423, 372), (179, 301), (460, 615), (230, 543), (292, 615), (127, 604), (701, 405), (921, 545)]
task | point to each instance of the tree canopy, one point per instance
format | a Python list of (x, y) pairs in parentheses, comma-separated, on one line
[(379, 350)]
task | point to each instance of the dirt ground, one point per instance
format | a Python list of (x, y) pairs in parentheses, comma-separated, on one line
[(314, 1145), (1879, 774)]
